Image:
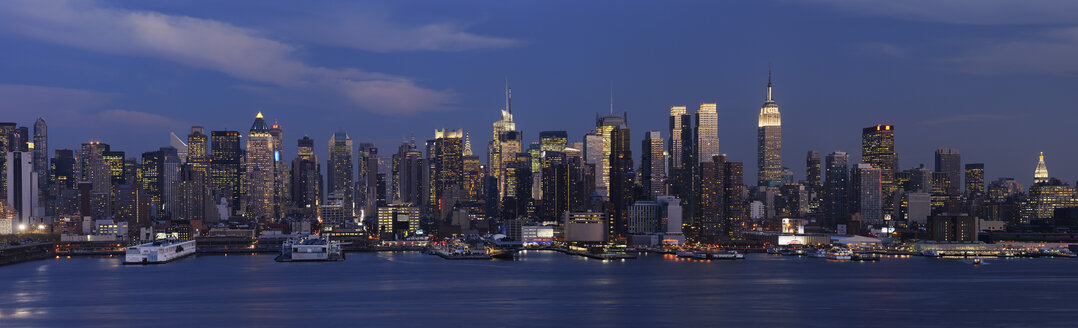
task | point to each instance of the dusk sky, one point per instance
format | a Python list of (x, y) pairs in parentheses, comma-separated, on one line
[(995, 79)]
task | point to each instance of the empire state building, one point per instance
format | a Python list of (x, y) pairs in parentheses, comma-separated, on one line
[(769, 142)]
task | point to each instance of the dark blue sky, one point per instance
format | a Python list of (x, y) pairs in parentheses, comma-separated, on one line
[(993, 78)]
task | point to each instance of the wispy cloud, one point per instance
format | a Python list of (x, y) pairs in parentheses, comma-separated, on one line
[(967, 118), (208, 44), (75, 108), (1053, 52), (367, 29)]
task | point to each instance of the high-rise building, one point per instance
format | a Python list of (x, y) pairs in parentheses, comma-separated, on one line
[(707, 132), (22, 188), (949, 161), (410, 174), (509, 142), (975, 179), (1040, 174), (98, 174), (259, 175), (175, 141), (8, 141), (683, 180), (226, 169), (198, 174), (621, 179), (1045, 197), (41, 156), (498, 152), (367, 163), (553, 140), (866, 193), (306, 186), (280, 171), (878, 150), (736, 206), (604, 127), (593, 155), (446, 154), (556, 182), (653, 164), (812, 168), (677, 134), (836, 194), (769, 142), (712, 193), (339, 171)]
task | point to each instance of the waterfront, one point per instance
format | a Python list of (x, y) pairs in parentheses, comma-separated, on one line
[(540, 289)]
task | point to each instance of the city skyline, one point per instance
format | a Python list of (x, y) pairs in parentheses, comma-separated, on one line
[(187, 90)]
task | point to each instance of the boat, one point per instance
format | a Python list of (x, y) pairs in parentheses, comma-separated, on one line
[(159, 251), (818, 253), (931, 253), (1005, 254), (684, 254), (976, 261), (310, 249), (774, 250), (793, 251), (726, 255), (501, 254), (838, 253), (865, 257), (700, 255)]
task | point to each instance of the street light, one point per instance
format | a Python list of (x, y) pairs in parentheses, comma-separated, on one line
[(22, 227)]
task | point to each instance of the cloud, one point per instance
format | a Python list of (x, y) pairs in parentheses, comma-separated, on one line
[(206, 44), (365, 30), (1054, 52), (967, 118), (975, 12), (74, 108), (881, 49)]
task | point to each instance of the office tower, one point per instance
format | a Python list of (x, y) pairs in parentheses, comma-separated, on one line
[(171, 175), (518, 185), (712, 193), (653, 164), (1040, 174), (367, 163), (7, 141), (555, 185), (174, 141), (736, 206), (553, 140), (398, 221), (645, 217), (707, 132), (62, 186), (447, 154), (677, 136), (580, 187), (198, 176), (509, 141), (951, 228), (280, 171), (536, 152), (339, 172), (683, 163), (498, 152), (621, 179), (812, 168), (22, 188), (836, 197), (975, 179), (41, 156), (114, 160), (131, 206), (878, 150), (259, 172), (769, 142), (410, 172), (604, 127), (949, 161), (1045, 197), (593, 155), (865, 193), (98, 174), (306, 186), (226, 168)]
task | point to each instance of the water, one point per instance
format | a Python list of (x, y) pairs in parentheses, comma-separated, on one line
[(544, 289)]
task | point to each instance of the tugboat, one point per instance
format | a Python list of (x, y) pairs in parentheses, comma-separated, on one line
[(310, 249)]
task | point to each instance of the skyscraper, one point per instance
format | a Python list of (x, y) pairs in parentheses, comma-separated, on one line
[(198, 176), (865, 193), (812, 168), (7, 141), (878, 150), (975, 179), (226, 169), (280, 171), (259, 166), (447, 152), (769, 142), (604, 127), (836, 197), (653, 164), (410, 175), (949, 162), (181, 146), (711, 196), (339, 171), (1040, 174), (306, 186), (41, 156), (707, 132), (621, 179), (509, 141), (496, 150)]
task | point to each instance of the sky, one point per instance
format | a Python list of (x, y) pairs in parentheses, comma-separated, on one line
[(995, 79)]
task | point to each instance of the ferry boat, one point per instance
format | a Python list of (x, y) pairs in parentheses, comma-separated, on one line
[(865, 257), (685, 254), (838, 253), (310, 248), (159, 251)]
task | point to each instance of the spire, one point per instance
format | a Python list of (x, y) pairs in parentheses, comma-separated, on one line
[(769, 99), (467, 145), (1041, 173), (259, 114), (611, 97), (508, 97)]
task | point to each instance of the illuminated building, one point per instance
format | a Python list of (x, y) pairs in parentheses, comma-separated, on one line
[(259, 167), (410, 174), (653, 164), (975, 179), (645, 217), (339, 171), (98, 174), (949, 161), (836, 193), (878, 150), (41, 156), (769, 142), (280, 172), (1040, 174), (174, 141), (593, 154), (131, 206), (553, 140), (306, 186), (682, 169), (621, 179), (8, 130), (952, 228), (226, 168), (1045, 197), (604, 128), (509, 141), (496, 150), (866, 193), (707, 132), (114, 160), (398, 221), (735, 211), (367, 163), (197, 176), (446, 152), (585, 227), (22, 189), (712, 210)]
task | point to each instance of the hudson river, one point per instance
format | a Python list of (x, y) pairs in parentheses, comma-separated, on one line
[(542, 289)]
